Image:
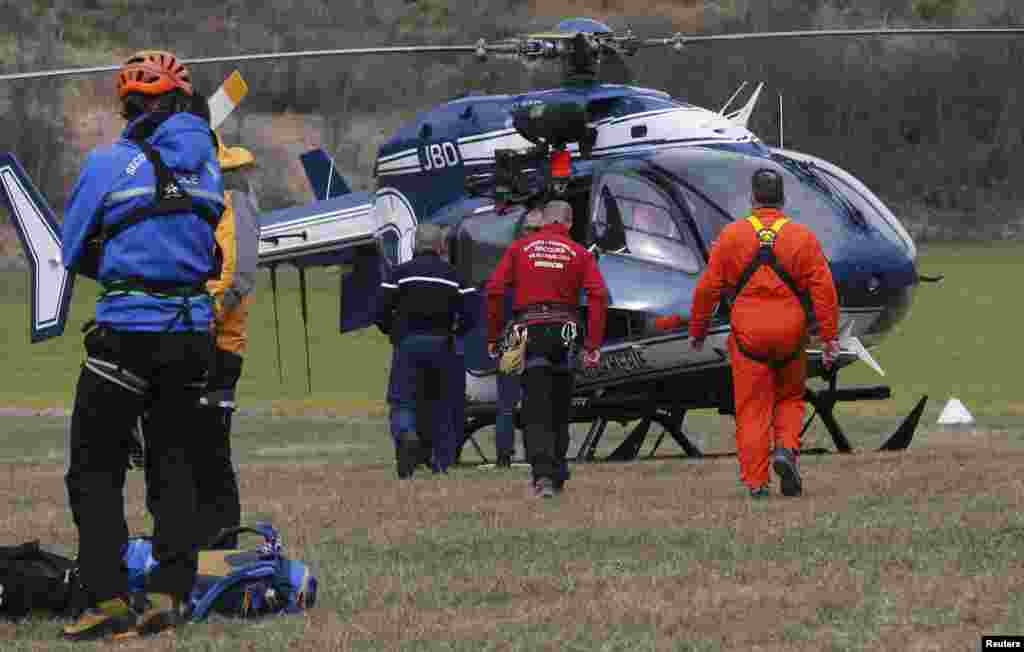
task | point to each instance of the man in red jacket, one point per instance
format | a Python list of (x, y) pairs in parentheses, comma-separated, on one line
[(782, 283), (549, 271)]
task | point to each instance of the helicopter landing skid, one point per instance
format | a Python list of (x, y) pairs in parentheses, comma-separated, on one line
[(824, 402), (673, 424)]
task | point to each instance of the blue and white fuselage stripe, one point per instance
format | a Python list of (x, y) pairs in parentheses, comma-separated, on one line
[(318, 218)]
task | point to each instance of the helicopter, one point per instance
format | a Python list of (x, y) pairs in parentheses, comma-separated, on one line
[(652, 180)]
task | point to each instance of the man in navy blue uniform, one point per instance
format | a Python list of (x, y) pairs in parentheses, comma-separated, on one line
[(141, 221), (422, 309)]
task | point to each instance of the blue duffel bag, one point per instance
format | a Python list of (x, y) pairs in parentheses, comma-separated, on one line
[(240, 583)]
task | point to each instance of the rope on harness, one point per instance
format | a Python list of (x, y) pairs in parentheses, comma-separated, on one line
[(140, 287), (513, 356), (569, 333)]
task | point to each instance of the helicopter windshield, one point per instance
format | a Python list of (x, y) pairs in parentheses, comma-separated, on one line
[(723, 177), (870, 208), (633, 217)]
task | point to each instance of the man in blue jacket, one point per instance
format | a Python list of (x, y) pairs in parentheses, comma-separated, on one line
[(422, 308), (141, 222)]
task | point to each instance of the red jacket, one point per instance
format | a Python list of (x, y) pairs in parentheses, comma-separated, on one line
[(548, 267), (767, 312)]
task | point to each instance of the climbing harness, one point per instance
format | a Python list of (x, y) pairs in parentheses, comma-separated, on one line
[(767, 237)]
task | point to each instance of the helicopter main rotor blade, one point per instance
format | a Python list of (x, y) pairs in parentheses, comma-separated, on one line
[(303, 54), (522, 46), (680, 40)]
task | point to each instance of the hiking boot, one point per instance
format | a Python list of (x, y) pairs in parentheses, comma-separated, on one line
[(159, 612), (113, 618), (504, 460), (408, 455), (784, 463), (543, 488), (426, 457), (760, 492)]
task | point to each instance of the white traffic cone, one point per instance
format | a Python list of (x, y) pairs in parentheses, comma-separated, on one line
[(955, 417)]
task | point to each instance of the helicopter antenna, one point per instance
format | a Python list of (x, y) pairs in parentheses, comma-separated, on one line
[(780, 121)]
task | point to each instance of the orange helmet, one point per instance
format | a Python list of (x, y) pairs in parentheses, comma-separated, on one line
[(152, 72)]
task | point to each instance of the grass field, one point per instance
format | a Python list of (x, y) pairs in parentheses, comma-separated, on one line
[(959, 340), (914, 551)]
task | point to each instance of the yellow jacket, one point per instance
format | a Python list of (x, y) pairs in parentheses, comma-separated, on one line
[(231, 292)]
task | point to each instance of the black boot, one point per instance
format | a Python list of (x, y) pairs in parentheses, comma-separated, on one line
[(408, 454), (785, 465)]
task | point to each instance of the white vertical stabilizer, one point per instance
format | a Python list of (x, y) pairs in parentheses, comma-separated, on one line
[(742, 117)]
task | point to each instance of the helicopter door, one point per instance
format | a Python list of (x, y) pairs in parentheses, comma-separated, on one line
[(631, 216), (477, 245), (651, 265), (480, 241)]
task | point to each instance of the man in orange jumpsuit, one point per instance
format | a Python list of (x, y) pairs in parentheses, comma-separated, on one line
[(781, 282)]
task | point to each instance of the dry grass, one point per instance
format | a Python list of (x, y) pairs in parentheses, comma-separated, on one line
[(913, 551)]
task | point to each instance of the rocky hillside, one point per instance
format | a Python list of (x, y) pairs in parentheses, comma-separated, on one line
[(933, 124)]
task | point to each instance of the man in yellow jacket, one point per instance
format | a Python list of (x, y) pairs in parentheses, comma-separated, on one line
[(237, 235), (218, 506)]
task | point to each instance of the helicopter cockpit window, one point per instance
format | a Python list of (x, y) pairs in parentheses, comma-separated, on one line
[(632, 207), (481, 240), (618, 107), (710, 221), (724, 178)]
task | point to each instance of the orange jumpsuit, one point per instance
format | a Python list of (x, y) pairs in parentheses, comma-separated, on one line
[(769, 321)]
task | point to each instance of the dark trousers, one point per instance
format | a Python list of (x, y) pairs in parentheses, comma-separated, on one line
[(455, 431), (420, 389), (125, 372), (218, 504), (509, 393), (547, 387)]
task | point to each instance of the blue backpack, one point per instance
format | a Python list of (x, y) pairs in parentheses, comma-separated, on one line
[(241, 583)]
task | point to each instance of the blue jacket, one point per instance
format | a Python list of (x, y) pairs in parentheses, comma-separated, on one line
[(114, 182), (424, 296)]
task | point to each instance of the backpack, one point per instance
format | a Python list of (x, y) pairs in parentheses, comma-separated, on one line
[(240, 583), (33, 580)]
